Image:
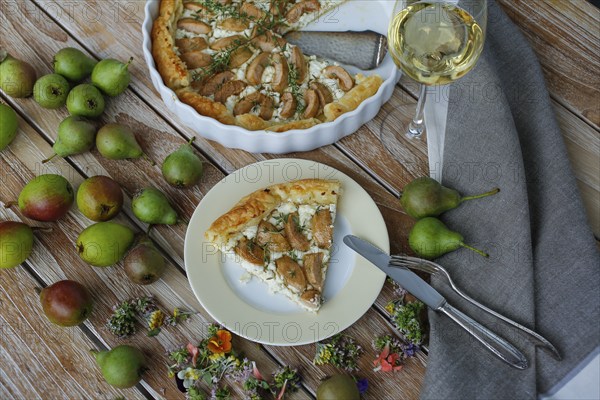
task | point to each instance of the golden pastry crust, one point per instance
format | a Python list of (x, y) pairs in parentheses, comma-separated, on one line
[(365, 88), (250, 210), (207, 107), (251, 122), (173, 71), (288, 126)]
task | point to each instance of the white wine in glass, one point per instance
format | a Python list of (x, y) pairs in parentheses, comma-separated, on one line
[(435, 43)]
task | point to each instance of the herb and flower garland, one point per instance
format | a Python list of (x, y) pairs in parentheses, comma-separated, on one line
[(214, 359), (406, 316), (122, 322)]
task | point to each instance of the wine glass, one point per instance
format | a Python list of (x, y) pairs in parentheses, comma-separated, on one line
[(436, 42)]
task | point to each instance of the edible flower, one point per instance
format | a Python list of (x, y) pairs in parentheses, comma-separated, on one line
[(220, 343), (387, 362), (194, 351)]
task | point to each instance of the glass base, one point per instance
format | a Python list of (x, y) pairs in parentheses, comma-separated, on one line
[(415, 130)]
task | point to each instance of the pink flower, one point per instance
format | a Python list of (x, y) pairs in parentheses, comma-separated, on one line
[(386, 362), (193, 350), (256, 372)]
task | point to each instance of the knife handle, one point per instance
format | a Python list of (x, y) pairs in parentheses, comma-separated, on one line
[(494, 343)]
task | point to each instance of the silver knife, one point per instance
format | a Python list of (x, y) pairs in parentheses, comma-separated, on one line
[(434, 300), (365, 50)]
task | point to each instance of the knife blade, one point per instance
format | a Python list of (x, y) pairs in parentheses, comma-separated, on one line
[(365, 50), (434, 300)]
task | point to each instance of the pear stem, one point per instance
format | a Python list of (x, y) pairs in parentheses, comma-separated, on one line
[(129, 62), (38, 290), (151, 161), (481, 253), (10, 204), (192, 140), (479, 196), (41, 229), (94, 352), (49, 158)]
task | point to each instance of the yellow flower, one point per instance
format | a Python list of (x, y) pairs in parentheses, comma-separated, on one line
[(216, 357), (390, 308), (156, 320)]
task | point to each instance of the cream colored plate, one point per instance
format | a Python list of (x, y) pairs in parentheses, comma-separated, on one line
[(249, 310)]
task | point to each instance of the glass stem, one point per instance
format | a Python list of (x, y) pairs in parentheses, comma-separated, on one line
[(417, 126)]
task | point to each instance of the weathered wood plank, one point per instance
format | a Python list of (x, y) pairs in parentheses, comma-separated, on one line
[(382, 386), (37, 347), (56, 259), (583, 146), (564, 35)]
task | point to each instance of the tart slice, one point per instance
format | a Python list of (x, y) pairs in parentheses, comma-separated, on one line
[(283, 235)]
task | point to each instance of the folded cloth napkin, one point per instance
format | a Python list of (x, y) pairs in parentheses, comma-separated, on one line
[(544, 266)]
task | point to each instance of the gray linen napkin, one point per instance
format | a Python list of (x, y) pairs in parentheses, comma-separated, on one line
[(544, 266)]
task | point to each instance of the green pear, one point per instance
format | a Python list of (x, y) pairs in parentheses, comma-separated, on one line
[(111, 76), (76, 135), (16, 77), (117, 142), (122, 366), (425, 197), (73, 64), (338, 387), (144, 264), (46, 198), (430, 239), (16, 242), (85, 100), (151, 206), (183, 168), (8, 125), (51, 91), (104, 243)]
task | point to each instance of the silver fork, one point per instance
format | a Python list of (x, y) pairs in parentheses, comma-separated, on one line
[(433, 268)]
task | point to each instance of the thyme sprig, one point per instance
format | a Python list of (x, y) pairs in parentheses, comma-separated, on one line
[(222, 58)]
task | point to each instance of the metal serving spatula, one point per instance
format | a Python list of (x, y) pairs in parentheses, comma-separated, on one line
[(364, 50)]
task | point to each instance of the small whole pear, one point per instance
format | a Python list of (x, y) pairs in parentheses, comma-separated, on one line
[(104, 244), (151, 206), (111, 76), (99, 198), (430, 239), (338, 387), (51, 91), (122, 366), (85, 100), (117, 142), (144, 264), (73, 64), (16, 77), (425, 197), (76, 135), (66, 303), (16, 242), (8, 125), (182, 168), (46, 198)]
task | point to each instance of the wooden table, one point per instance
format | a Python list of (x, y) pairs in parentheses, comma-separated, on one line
[(40, 360)]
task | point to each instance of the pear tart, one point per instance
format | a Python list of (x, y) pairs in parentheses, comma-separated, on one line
[(229, 61), (283, 235)]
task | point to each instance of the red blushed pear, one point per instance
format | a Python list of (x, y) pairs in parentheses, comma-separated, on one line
[(46, 198), (66, 303)]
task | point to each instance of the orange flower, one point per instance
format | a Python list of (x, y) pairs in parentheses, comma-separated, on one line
[(220, 343)]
